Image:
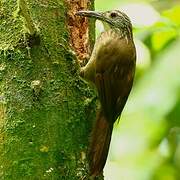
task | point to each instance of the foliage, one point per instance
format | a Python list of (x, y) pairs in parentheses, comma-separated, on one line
[(146, 142)]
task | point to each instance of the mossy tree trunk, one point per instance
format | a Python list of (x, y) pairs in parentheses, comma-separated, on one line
[(46, 110)]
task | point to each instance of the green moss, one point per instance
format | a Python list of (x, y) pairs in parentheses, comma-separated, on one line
[(9, 35), (45, 128)]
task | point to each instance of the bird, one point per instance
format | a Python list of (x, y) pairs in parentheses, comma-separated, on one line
[(111, 68)]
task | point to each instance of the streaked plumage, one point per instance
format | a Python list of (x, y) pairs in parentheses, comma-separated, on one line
[(111, 68)]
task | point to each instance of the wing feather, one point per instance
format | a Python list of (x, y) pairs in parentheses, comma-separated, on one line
[(114, 73)]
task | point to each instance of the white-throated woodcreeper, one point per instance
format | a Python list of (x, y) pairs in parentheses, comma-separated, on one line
[(111, 68)]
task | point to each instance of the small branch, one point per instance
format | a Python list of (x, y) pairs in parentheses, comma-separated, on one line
[(31, 36), (24, 12)]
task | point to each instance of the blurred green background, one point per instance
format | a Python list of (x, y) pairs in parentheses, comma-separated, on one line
[(146, 141)]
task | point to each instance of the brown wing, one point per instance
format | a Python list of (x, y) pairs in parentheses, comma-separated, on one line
[(114, 76)]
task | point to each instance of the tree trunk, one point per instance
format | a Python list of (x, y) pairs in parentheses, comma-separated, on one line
[(46, 110)]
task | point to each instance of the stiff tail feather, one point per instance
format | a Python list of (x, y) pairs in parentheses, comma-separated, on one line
[(99, 146)]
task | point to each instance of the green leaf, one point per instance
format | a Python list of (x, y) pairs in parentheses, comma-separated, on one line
[(173, 14), (161, 37)]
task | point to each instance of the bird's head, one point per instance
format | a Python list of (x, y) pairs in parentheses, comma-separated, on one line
[(110, 19)]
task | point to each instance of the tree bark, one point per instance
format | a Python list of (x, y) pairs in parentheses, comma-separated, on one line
[(46, 110)]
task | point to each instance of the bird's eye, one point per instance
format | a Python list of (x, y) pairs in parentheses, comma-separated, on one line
[(113, 14)]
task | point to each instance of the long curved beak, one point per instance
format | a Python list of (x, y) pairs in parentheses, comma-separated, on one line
[(93, 14)]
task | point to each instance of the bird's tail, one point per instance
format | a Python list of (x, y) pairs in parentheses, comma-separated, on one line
[(100, 141)]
